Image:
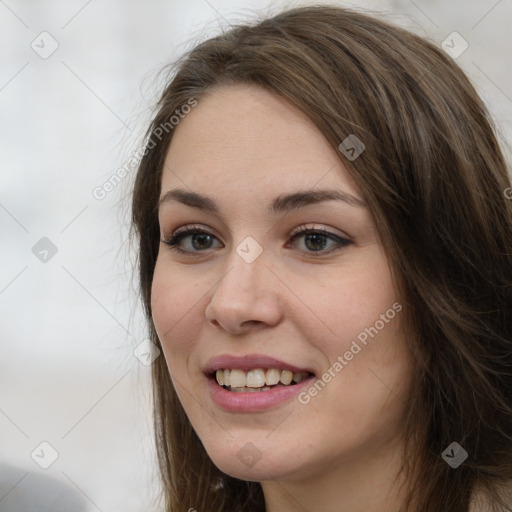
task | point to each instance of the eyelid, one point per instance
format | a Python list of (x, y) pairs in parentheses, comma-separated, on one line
[(299, 229), (322, 229), (190, 227)]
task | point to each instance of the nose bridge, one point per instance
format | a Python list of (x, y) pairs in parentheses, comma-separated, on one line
[(244, 293), (245, 269)]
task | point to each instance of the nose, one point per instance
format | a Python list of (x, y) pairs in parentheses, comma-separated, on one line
[(245, 297)]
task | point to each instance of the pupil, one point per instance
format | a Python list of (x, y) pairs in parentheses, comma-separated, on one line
[(317, 237), (201, 237)]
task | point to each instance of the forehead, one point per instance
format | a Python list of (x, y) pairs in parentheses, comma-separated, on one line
[(242, 137)]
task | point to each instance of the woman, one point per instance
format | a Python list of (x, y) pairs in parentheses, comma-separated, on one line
[(326, 264)]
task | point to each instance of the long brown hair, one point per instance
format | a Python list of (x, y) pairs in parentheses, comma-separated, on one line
[(434, 178)]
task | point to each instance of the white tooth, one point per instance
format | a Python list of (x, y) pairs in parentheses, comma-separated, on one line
[(255, 378), (286, 377), (219, 374), (272, 377), (227, 380), (237, 379)]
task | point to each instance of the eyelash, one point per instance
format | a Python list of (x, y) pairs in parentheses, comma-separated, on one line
[(180, 234)]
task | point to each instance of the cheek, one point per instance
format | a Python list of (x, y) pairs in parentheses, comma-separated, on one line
[(173, 302), (363, 312), (354, 302)]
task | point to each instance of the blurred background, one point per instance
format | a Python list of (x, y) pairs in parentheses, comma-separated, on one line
[(77, 84)]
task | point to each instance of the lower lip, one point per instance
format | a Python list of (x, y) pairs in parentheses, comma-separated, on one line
[(252, 402)]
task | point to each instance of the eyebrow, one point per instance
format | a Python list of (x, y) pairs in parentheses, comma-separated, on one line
[(280, 204)]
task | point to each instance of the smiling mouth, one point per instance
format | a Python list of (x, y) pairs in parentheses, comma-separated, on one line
[(258, 379)]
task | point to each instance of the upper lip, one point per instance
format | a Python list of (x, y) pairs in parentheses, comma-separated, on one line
[(249, 362)]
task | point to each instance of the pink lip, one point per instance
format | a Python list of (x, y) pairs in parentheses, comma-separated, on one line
[(249, 362), (253, 402)]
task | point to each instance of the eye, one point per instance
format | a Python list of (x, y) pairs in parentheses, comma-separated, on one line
[(315, 240), (202, 237)]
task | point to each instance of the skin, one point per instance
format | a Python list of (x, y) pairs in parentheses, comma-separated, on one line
[(340, 451)]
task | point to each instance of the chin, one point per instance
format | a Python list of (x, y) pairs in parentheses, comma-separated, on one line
[(259, 472), (244, 461)]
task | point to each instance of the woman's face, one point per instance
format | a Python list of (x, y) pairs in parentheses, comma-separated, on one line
[(251, 286)]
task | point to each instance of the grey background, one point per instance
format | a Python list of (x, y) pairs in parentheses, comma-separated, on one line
[(70, 324)]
